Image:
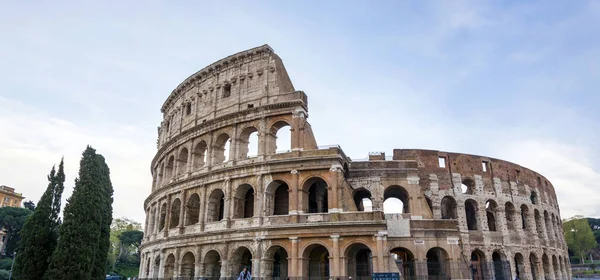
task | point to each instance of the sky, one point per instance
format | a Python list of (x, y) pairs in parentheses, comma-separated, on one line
[(515, 80)]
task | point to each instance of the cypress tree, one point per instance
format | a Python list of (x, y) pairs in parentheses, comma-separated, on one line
[(39, 235), (100, 259), (81, 234)]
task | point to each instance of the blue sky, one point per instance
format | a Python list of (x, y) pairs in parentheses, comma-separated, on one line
[(515, 80)]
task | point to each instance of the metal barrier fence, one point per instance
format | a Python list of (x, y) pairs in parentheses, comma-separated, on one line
[(421, 270)]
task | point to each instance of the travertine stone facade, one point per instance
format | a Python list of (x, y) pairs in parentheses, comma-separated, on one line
[(305, 212)]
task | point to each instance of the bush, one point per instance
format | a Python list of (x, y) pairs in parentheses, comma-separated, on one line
[(5, 264), (4, 274)]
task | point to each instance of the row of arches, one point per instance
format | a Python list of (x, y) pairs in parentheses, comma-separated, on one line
[(249, 143), (244, 205)]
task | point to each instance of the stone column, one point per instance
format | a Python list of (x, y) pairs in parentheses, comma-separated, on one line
[(263, 133), (295, 198), (379, 253), (335, 266), (258, 199), (224, 269), (199, 266), (335, 205), (228, 207), (167, 218), (182, 212), (501, 225), (161, 266), (294, 272), (233, 147)]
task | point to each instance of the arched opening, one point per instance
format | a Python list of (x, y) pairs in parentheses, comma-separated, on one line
[(510, 213), (471, 214), (467, 186), (192, 210), (212, 265), (533, 265), (501, 266), (538, 223), (546, 266), (216, 206), (187, 266), (478, 269), (404, 260), (317, 264), (360, 261), (221, 149), (437, 263), (557, 230), (169, 268), (156, 267), (519, 265), (277, 198), (395, 200), (170, 166), (182, 161), (281, 138), (152, 222), (200, 155), (556, 268), (175, 210), (525, 217), (490, 212), (430, 205), (448, 206), (244, 202), (548, 223), (248, 143), (159, 180), (362, 200), (277, 263), (163, 217), (317, 195), (242, 257), (533, 197)]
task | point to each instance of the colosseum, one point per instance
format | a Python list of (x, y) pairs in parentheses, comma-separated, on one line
[(239, 181)]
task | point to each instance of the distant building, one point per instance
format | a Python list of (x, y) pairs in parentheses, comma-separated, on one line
[(8, 197)]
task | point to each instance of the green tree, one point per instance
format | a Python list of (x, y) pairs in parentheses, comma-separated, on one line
[(39, 235), (579, 236), (117, 228), (12, 220), (85, 231), (130, 243)]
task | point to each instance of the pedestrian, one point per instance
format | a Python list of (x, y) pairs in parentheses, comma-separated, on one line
[(245, 274)]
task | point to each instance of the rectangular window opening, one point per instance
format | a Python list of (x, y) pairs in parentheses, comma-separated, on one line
[(484, 166), (226, 90), (188, 109), (250, 106), (442, 162)]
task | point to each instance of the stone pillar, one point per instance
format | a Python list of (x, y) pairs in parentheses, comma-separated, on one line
[(224, 269), (295, 198), (233, 146), (335, 265), (259, 199), (501, 225), (167, 218), (203, 205), (333, 202), (198, 266), (263, 133), (482, 224), (379, 253), (297, 128), (182, 212), (161, 267), (228, 207), (295, 271)]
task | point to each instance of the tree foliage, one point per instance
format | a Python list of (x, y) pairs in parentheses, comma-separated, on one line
[(12, 220), (84, 235), (39, 235), (125, 236), (579, 236)]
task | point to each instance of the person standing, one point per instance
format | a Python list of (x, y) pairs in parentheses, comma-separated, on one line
[(245, 274)]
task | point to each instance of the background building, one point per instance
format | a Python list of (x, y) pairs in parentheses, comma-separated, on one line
[(8, 197), (296, 209)]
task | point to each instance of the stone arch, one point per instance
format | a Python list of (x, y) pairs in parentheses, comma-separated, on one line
[(490, 211), (359, 260), (533, 197), (548, 224), (243, 202), (501, 265), (212, 264), (520, 265), (221, 148), (471, 213), (395, 197), (278, 137), (404, 259), (538, 223), (277, 198), (533, 260), (160, 178), (249, 135), (362, 198), (182, 161), (510, 213), (216, 206), (525, 219), (169, 270), (163, 216), (156, 267), (467, 186), (556, 268), (199, 154), (478, 265), (437, 263), (316, 256), (187, 265), (170, 166), (175, 210), (546, 266), (276, 264), (239, 258), (448, 207), (315, 195), (192, 210)]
